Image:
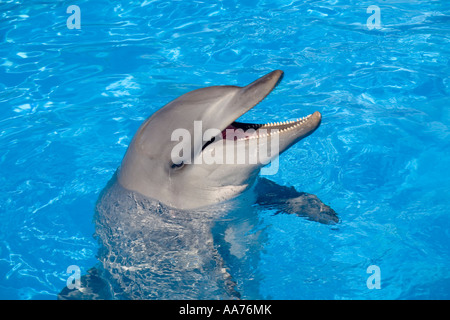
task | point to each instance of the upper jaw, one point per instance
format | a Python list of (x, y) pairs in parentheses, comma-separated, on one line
[(249, 96)]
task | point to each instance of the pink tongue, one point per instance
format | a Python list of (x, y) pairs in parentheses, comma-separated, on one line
[(224, 132), (233, 134)]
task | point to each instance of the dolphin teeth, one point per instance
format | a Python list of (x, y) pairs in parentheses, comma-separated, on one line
[(288, 125)]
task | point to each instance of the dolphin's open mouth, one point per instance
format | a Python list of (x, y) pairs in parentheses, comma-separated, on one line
[(225, 124), (243, 131), (248, 97)]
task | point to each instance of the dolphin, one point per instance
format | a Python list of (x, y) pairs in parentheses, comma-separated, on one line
[(156, 216), (147, 167)]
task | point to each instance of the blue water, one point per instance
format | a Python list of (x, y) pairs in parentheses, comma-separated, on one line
[(71, 100)]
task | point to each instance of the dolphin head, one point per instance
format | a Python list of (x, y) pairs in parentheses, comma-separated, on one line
[(192, 152)]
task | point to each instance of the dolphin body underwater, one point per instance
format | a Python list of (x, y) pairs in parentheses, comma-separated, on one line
[(165, 227)]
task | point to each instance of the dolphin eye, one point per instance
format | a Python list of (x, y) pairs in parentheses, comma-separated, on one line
[(177, 165)]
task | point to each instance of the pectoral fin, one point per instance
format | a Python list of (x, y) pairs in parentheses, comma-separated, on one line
[(289, 200)]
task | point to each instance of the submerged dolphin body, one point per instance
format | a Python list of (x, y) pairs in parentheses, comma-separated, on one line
[(154, 219)]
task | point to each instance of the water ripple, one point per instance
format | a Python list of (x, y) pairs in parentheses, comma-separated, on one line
[(70, 101)]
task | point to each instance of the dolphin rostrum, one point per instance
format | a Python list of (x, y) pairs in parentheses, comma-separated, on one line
[(154, 219)]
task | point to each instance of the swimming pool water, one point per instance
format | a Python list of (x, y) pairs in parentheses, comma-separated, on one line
[(71, 100)]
